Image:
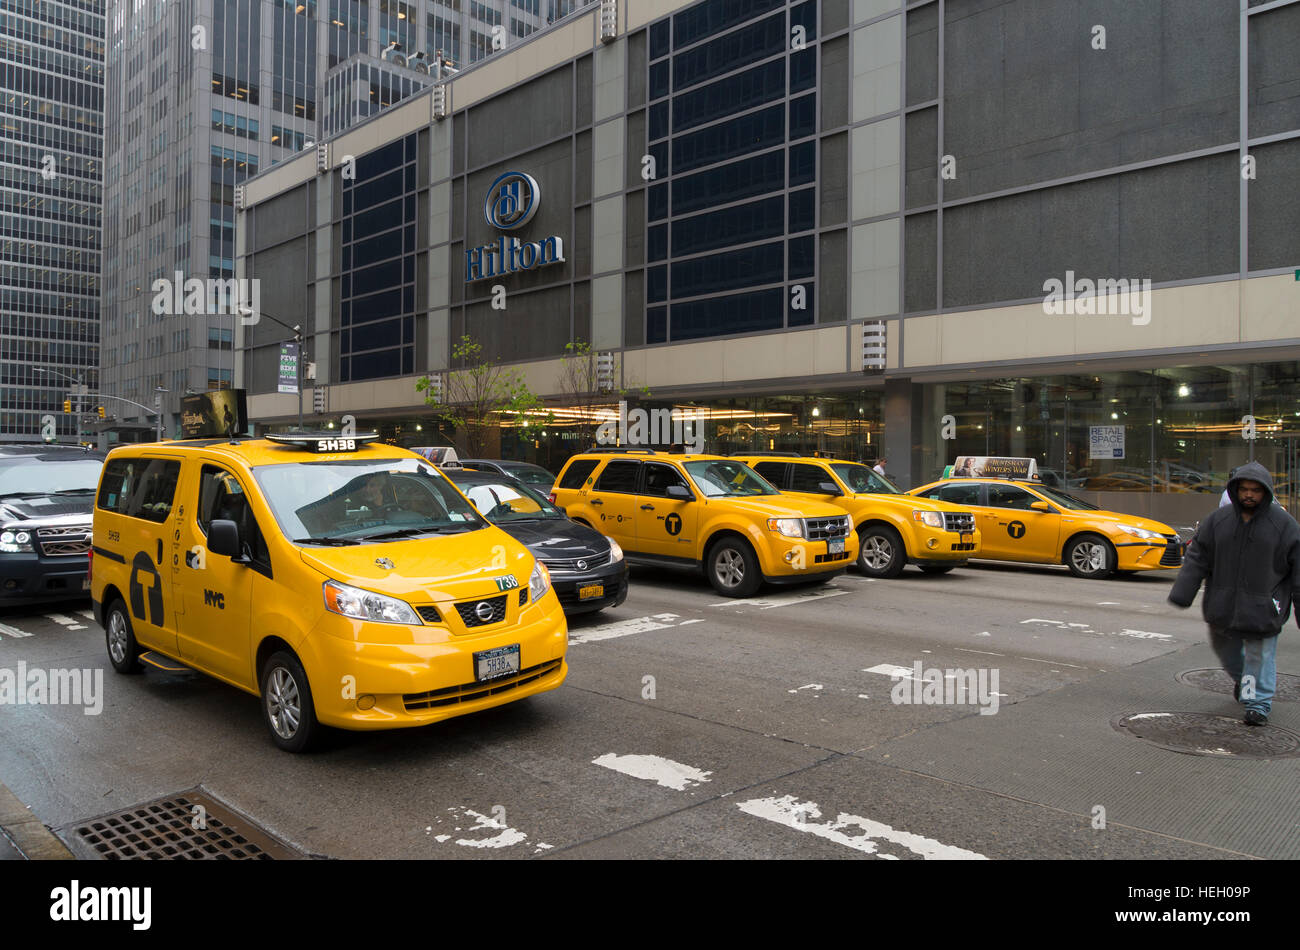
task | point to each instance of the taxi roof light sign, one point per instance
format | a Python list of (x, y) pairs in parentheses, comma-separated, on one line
[(993, 466), (323, 442)]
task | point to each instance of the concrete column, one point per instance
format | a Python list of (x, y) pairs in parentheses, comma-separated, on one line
[(904, 428)]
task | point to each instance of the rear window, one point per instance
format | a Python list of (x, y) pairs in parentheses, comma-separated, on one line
[(139, 488), (618, 476), (576, 474)]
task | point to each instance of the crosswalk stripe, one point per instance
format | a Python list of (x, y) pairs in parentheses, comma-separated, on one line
[(88, 614), (65, 621), (13, 631)]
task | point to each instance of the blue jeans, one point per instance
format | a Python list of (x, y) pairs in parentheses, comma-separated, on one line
[(1246, 656)]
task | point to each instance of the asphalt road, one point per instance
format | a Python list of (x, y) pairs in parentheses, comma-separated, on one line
[(695, 726)]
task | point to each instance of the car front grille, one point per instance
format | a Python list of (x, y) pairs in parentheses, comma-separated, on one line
[(569, 565), (429, 614), (963, 521), (1173, 556), (822, 529), (469, 692), (964, 546), (63, 542), (468, 610)]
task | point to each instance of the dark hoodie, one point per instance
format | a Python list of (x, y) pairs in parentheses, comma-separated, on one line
[(1251, 568)]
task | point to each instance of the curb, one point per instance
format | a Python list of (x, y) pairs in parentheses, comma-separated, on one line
[(33, 840)]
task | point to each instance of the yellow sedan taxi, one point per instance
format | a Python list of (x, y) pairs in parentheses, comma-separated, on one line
[(1020, 519)]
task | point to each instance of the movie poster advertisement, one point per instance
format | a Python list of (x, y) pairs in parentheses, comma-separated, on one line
[(989, 466), (217, 414)]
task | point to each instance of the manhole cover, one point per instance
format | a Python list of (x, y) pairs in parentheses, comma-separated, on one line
[(1201, 734), (1217, 681), (187, 826)]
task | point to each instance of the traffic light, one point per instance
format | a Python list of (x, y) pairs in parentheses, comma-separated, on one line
[(67, 405), (101, 412)]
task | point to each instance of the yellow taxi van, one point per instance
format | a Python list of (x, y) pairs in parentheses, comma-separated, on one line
[(1021, 519), (346, 583), (894, 529), (705, 512)]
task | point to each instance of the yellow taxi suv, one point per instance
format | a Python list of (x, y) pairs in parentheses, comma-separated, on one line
[(894, 529), (345, 583), (1022, 520), (705, 512)]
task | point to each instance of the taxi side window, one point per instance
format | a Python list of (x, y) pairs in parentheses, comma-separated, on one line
[(774, 472), (140, 488), (1009, 496), (659, 476), (618, 477), (808, 478), (221, 497), (576, 474), (960, 494)]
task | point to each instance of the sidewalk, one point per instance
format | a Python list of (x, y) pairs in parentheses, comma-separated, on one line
[(22, 836)]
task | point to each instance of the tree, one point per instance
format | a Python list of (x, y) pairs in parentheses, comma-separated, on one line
[(582, 389), (479, 390)]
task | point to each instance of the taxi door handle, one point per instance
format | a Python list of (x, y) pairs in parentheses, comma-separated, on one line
[(647, 507), (596, 501)]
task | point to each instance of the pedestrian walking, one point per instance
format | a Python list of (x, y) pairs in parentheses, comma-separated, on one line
[(879, 467), (1248, 554)]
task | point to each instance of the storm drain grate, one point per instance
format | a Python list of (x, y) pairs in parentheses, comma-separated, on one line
[(187, 826), (1201, 734), (1217, 681)]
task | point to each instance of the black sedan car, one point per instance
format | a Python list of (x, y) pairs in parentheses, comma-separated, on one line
[(534, 476), (588, 570)]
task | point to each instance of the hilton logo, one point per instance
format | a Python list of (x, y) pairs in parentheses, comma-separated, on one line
[(511, 203)]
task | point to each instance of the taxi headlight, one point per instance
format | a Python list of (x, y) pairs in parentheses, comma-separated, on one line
[(367, 605), (540, 581), (15, 542), (932, 519), (615, 552), (786, 527), (1140, 532)]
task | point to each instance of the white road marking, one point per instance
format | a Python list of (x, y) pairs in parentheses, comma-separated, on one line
[(1034, 659), (1144, 635), (504, 838), (984, 634), (813, 686), (888, 669), (792, 813), (622, 628), (1150, 715), (984, 652), (784, 600), (863, 696), (694, 620), (88, 614), (1084, 628), (654, 768), (1107, 603), (13, 631), (65, 621)]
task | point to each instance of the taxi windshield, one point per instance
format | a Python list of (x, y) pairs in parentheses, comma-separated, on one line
[(861, 480), (728, 479), (504, 502), (1064, 500), (350, 502)]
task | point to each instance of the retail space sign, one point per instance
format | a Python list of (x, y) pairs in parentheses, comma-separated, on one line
[(288, 367), (511, 202), (1106, 442)]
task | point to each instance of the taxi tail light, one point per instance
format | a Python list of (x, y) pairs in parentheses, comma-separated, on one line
[(550, 496), (90, 564)]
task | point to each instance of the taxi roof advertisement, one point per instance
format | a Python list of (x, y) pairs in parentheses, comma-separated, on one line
[(991, 466), (214, 414)]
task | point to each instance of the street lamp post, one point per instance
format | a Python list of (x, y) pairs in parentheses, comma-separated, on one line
[(297, 339), (157, 407)]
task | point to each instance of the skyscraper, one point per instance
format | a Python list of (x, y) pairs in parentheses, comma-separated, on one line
[(201, 94), (52, 52)]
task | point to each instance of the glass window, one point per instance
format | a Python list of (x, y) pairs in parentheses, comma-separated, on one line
[(808, 478), (740, 136), (618, 476), (660, 39), (140, 488), (726, 183), (657, 249), (741, 268), (659, 476), (803, 70), (803, 212), (730, 95), (714, 16), (659, 80), (860, 479), (734, 225), (744, 46), (801, 257), (576, 474), (774, 472), (738, 313), (1009, 496), (803, 117), (957, 493), (728, 479)]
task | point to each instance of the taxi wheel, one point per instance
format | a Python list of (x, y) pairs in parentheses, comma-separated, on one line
[(937, 568), (123, 651), (880, 551), (287, 704), (733, 568), (1090, 555)]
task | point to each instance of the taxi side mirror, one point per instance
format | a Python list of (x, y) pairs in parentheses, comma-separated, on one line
[(829, 488), (223, 538), (680, 492), (1040, 506)]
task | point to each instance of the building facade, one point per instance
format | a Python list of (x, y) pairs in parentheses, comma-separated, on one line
[(201, 96), (1075, 233), (51, 175)]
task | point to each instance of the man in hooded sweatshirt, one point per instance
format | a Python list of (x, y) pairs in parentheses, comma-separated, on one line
[(1249, 557)]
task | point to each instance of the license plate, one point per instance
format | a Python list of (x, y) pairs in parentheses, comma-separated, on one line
[(835, 546), (493, 664), (85, 583), (594, 590)]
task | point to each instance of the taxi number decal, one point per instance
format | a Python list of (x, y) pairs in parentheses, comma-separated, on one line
[(509, 582), (1016, 529), (336, 445)]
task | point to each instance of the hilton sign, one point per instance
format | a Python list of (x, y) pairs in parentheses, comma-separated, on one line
[(511, 203)]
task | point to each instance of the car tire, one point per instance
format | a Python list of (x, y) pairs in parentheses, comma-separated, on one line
[(119, 637), (1090, 556), (287, 706), (880, 551), (732, 568), (936, 568)]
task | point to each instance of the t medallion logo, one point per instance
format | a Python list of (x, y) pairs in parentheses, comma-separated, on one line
[(511, 201), (1016, 529)]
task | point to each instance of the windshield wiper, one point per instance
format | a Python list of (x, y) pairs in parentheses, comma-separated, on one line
[(416, 532), (72, 491), (333, 541), (23, 494)]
